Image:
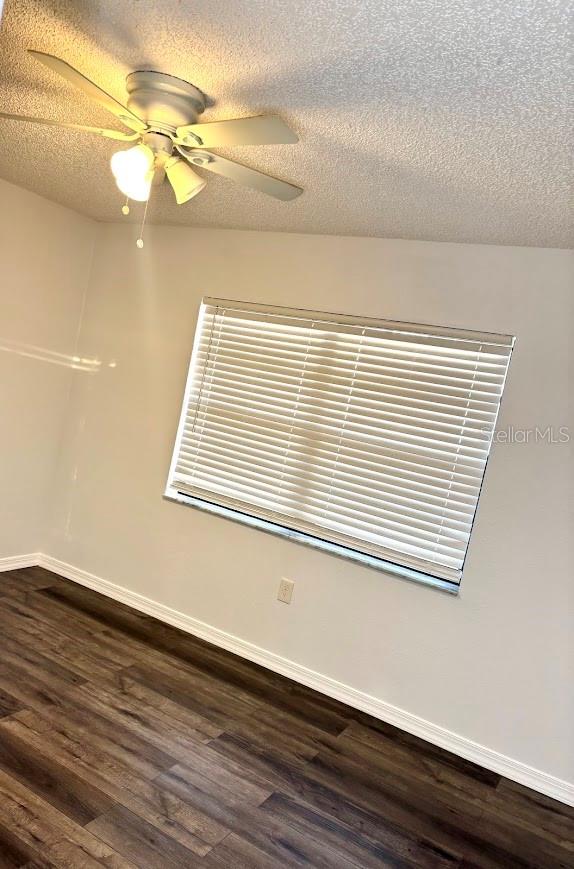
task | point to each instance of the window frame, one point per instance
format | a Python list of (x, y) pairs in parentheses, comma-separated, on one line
[(174, 494)]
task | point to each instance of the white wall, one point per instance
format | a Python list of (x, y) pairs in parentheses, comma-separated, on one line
[(45, 255), (494, 664)]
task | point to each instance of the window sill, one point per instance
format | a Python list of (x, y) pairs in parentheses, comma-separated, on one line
[(315, 542)]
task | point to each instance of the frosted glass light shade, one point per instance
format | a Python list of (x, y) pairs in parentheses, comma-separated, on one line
[(185, 182), (133, 171)]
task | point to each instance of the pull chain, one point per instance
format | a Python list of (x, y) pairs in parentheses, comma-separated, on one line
[(139, 242), (126, 207)]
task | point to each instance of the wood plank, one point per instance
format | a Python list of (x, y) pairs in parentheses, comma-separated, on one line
[(523, 807), (212, 702), (369, 853), (517, 824), (284, 743), (32, 578), (69, 655), (67, 854), (126, 754), (404, 828), (10, 587), (443, 782), (39, 629), (14, 851), (140, 842), (384, 738), (271, 835), (99, 611), (40, 863), (272, 688), (144, 798), (210, 771), (235, 853), (9, 704), (43, 577), (370, 811), (60, 787), (447, 824), (56, 701), (37, 611), (41, 826), (20, 653), (151, 725), (282, 771), (123, 685), (75, 656)]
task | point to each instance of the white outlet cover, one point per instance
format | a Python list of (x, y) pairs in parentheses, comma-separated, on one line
[(285, 592)]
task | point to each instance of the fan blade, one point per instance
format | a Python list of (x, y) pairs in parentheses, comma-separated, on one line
[(90, 89), (241, 174), (109, 134), (261, 130)]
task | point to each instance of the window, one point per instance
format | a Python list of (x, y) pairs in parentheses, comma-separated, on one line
[(366, 437)]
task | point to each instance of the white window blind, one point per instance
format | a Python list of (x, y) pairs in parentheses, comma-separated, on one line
[(370, 435)]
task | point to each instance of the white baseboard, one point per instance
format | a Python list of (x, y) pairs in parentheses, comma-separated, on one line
[(18, 562), (459, 745)]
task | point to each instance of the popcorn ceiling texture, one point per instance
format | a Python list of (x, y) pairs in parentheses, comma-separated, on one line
[(418, 119)]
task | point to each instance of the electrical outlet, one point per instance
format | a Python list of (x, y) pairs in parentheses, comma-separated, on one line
[(285, 592)]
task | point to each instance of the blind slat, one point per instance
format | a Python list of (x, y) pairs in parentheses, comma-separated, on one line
[(404, 400), (374, 501), (419, 538), (313, 406), (319, 427), (373, 377), (360, 450), (230, 445), (397, 344), (328, 361), (345, 355)]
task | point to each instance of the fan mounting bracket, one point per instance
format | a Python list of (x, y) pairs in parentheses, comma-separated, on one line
[(163, 101), (197, 157)]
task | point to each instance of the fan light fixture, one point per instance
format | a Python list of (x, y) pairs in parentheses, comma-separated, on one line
[(133, 171), (185, 182), (161, 116)]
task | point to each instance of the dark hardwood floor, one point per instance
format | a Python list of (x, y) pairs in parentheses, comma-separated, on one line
[(124, 742)]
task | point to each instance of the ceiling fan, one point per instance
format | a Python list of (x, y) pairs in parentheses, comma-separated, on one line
[(161, 113)]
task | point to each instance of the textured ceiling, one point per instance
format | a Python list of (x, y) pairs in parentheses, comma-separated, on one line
[(418, 119)]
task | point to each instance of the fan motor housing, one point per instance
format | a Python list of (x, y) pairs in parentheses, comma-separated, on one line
[(163, 101)]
